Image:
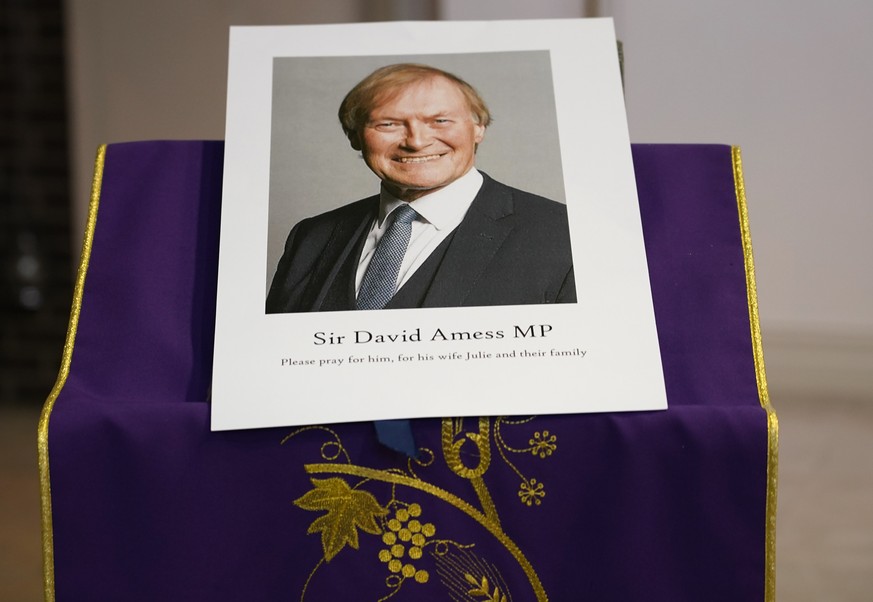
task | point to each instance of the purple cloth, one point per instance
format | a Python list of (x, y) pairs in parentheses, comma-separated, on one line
[(148, 504)]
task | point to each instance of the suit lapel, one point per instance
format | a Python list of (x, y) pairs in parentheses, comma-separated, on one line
[(330, 287), (474, 246)]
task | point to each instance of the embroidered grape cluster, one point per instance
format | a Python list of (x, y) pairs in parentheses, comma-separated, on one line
[(405, 529)]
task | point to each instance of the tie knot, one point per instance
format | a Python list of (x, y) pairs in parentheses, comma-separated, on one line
[(404, 214)]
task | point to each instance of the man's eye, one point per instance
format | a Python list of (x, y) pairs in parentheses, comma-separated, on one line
[(386, 124), (442, 120)]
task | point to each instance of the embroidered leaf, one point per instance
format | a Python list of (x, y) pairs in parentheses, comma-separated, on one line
[(480, 589), (347, 511)]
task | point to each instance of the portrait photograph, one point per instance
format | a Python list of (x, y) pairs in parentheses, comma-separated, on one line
[(459, 216), (441, 144)]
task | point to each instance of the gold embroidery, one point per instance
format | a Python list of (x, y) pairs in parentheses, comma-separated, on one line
[(451, 429), (531, 492), (406, 530), (452, 447), (449, 498), (309, 578), (425, 458), (404, 535), (481, 589), (516, 421), (761, 378), (347, 511), (457, 567), (543, 444), (336, 443), (48, 555), (393, 555)]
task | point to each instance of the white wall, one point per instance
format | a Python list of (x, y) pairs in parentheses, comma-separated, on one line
[(514, 9), (791, 82), (158, 69)]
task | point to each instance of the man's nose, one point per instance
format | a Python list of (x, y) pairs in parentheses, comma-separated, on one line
[(416, 135)]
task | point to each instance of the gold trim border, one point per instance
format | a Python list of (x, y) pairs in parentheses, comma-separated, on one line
[(48, 559), (761, 378)]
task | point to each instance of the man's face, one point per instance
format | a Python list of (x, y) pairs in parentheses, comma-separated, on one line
[(421, 138)]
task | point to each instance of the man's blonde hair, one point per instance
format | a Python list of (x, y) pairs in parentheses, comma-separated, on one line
[(377, 87)]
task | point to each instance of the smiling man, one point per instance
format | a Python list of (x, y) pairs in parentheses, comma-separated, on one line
[(440, 233)]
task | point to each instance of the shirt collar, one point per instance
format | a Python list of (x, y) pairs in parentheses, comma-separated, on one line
[(444, 208)]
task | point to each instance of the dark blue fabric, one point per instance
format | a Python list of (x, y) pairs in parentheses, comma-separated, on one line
[(397, 435)]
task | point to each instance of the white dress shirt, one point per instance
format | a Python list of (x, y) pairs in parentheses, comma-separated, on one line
[(439, 213)]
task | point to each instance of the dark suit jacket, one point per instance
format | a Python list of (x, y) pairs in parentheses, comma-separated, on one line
[(512, 248)]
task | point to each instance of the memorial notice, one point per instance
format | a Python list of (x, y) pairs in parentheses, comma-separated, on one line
[(429, 219)]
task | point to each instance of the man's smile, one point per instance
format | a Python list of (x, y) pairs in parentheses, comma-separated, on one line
[(423, 159)]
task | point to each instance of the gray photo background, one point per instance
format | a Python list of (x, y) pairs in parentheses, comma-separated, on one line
[(313, 169)]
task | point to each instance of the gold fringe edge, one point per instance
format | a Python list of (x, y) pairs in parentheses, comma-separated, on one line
[(48, 560), (761, 377)]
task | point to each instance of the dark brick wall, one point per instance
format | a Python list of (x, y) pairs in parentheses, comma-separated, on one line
[(35, 261)]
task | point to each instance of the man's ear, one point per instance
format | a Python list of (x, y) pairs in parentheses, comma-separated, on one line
[(355, 141), (480, 134), (478, 137)]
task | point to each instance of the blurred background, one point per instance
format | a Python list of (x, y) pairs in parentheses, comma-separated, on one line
[(791, 82)]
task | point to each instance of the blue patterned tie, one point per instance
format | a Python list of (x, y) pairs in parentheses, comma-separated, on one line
[(377, 287), (380, 280)]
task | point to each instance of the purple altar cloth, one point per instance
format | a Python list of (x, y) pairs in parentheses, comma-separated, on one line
[(148, 504)]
